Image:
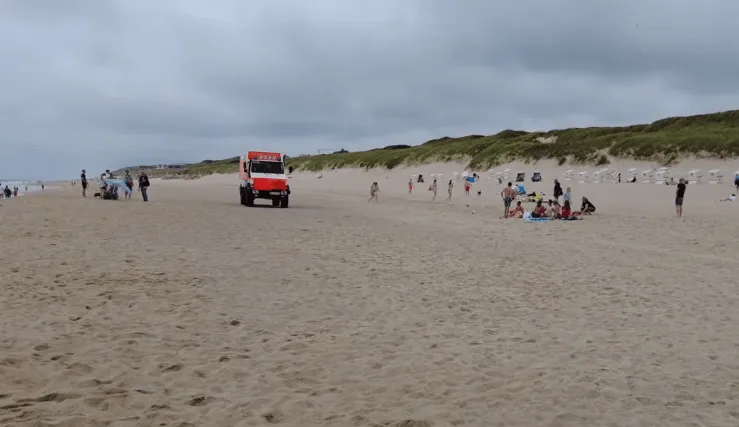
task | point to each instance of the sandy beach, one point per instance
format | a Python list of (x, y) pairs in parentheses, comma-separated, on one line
[(193, 310)]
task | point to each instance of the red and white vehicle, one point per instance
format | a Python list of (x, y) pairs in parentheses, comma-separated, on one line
[(263, 176)]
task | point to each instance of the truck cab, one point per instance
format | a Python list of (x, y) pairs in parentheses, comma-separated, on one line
[(262, 176)]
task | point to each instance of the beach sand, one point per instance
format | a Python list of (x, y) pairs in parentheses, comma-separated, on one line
[(193, 310)]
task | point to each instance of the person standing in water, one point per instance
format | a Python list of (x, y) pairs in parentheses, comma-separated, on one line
[(449, 190), (83, 180), (679, 196), (508, 194), (144, 185)]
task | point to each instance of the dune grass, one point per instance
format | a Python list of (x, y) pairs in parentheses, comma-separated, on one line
[(665, 141)]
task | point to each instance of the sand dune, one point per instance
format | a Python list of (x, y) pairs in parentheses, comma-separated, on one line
[(192, 310)]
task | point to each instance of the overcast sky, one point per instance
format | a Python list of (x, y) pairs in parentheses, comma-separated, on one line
[(101, 84)]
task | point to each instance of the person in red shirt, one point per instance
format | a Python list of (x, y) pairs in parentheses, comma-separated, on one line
[(540, 211), (566, 210)]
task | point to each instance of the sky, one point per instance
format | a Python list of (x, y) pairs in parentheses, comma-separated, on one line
[(102, 84)]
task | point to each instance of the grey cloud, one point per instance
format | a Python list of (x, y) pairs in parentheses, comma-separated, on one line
[(114, 82)]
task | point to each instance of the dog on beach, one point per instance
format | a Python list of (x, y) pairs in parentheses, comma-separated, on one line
[(96, 195)]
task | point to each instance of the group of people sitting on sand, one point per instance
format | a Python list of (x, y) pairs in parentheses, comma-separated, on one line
[(552, 209)]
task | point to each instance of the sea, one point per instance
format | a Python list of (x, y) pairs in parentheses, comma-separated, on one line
[(23, 186)]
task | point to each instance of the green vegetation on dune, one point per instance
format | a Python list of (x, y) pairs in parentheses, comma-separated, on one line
[(665, 141)]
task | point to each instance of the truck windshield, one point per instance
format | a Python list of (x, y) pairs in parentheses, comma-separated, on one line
[(267, 167)]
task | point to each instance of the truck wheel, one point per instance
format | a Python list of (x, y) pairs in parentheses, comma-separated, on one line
[(275, 202), (242, 196), (249, 197), (284, 201)]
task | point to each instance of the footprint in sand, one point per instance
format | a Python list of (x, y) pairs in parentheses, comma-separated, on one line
[(273, 417), (199, 401), (51, 397), (171, 368)]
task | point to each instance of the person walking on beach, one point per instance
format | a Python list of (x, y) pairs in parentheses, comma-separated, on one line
[(128, 180), (508, 194), (557, 190), (374, 189), (736, 182), (432, 188), (449, 190), (144, 185), (679, 196), (83, 180), (410, 186)]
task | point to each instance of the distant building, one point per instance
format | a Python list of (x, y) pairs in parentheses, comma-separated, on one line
[(171, 166)]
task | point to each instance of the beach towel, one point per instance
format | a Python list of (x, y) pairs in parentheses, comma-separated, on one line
[(528, 218), (117, 184)]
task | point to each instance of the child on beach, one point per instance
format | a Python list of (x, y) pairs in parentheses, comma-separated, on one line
[(128, 179), (679, 196), (410, 186), (374, 189), (432, 188), (451, 186)]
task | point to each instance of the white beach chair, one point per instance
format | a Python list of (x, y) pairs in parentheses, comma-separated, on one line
[(647, 176), (694, 176), (715, 176), (661, 176)]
